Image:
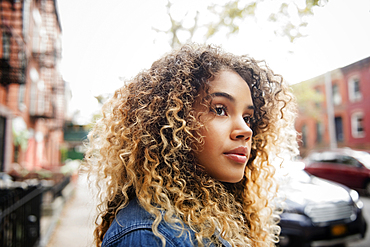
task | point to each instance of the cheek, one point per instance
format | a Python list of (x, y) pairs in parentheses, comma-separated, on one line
[(208, 131), (214, 137), (207, 137), (216, 127)]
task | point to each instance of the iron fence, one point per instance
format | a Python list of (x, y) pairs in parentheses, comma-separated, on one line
[(20, 216), (20, 212)]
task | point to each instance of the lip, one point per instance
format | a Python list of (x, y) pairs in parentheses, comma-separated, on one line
[(239, 154)]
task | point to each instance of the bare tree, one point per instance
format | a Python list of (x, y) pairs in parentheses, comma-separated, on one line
[(230, 15)]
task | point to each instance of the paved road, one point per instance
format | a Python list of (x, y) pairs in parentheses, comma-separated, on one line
[(75, 226)]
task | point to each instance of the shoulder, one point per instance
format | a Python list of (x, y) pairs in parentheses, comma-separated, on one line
[(133, 227)]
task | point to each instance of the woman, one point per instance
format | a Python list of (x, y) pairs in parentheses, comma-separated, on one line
[(181, 154)]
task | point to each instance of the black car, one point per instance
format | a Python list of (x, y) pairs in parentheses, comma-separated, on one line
[(317, 212)]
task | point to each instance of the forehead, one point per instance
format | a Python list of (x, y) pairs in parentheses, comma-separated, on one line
[(230, 82)]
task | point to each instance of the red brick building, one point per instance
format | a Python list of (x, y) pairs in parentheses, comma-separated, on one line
[(32, 92), (350, 90)]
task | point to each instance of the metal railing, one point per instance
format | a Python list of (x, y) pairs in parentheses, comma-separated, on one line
[(56, 190), (20, 216), (20, 212)]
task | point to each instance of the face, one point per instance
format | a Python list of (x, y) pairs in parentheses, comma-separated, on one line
[(227, 133)]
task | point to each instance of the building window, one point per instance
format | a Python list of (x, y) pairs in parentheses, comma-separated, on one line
[(337, 98), (317, 103), (354, 89), (36, 30), (41, 95), (6, 45), (339, 129), (357, 125), (21, 97), (26, 18), (319, 132)]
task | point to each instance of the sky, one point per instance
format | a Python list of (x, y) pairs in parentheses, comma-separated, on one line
[(106, 41)]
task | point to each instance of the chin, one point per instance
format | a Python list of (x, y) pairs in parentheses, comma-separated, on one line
[(232, 180)]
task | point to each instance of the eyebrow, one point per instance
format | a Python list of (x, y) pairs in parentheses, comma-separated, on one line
[(225, 95), (229, 97)]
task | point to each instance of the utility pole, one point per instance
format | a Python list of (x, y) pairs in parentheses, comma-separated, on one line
[(330, 110)]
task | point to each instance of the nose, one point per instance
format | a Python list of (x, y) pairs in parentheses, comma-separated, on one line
[(241, 131)]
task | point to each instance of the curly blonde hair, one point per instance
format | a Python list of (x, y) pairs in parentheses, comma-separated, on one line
[(144, 144)]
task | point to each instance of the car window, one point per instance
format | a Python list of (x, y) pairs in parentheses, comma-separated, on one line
[(347, 160), (363, 157), (355, 159)]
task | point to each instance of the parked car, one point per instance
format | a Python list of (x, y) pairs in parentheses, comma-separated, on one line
[(344, 165), (317, 212)]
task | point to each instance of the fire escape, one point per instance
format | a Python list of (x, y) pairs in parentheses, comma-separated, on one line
[(12, 55), (47, 93), (46, 86)]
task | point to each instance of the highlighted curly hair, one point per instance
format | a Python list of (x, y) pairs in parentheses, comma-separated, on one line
[(144, 145)]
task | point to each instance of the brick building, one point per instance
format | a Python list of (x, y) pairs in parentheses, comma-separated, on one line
[(350, 87), (32, 92)]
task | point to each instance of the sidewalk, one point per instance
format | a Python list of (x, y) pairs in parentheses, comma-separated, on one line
[(76, 222)]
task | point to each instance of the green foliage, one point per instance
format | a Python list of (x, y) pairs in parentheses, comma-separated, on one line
[(70, 167), (94, 119), (21, 139), (230, 15), (309, 100), (63, 153), (101, 99), (290, 29), (288, 8), (44, 174), (20, 132)]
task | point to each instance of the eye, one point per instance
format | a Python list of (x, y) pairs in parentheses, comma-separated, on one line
[(248, 119), (220, 110)]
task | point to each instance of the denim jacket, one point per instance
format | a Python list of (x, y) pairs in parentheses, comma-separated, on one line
[(133, 227)]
